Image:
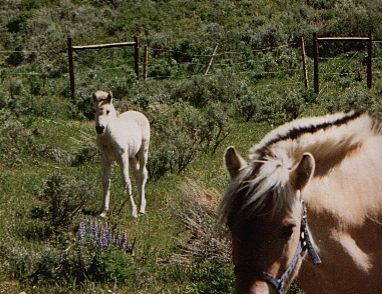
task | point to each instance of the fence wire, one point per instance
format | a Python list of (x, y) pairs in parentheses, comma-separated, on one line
[(241, 59)]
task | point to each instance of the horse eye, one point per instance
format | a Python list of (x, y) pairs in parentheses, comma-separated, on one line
[(107, 111), (287, 230)]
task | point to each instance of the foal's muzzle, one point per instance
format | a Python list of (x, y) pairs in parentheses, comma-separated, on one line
[(100, 129)]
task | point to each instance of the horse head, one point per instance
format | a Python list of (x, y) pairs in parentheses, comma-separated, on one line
[(103, 109), (265, 214)]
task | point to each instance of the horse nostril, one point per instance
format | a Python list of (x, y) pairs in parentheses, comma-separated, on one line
[(100, 129)]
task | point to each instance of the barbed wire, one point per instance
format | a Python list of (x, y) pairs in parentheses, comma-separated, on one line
[(23, 51), (340, 69), (216, 65)]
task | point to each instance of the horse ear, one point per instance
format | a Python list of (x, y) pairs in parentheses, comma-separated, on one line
[(110, 96), (94, 97), (234, 162), (301, 175)]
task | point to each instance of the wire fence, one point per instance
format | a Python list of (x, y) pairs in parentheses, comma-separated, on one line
[(241, 62)]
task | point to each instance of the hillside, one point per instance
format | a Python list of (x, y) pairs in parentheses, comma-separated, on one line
[(50, 188)]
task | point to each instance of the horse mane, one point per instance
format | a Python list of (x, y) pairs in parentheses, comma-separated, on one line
[(330, 139)]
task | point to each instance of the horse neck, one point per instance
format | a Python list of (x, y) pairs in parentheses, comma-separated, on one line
[(361, 171)]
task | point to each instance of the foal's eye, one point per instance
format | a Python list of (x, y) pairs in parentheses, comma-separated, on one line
[(287, 230)]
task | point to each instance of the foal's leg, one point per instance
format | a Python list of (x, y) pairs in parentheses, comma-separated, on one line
[(127, 183), (106, 175), (134, 163), (142, 177)]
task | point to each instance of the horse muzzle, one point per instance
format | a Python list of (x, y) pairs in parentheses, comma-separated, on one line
[(100, 129)]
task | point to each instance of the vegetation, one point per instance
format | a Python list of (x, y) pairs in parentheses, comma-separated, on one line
[(52, 239)]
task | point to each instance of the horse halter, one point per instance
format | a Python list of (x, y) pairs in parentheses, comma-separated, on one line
[(304, 244)]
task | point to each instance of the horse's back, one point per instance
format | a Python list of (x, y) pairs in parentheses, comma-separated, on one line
[(346, 222), (137, 122)]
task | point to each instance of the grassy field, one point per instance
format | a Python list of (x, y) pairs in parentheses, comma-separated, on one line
[(51, 184), (160, 261), (51, 238)]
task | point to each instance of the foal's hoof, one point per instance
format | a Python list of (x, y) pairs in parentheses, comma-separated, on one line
[(134, 213), (103, 214)]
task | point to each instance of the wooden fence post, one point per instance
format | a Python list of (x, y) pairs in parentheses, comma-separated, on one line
[(211, 59), (369, 62), (145, 62), (306, 82), (71, 69), (136, 56), (315, 57), (343, 39), (72, 48)]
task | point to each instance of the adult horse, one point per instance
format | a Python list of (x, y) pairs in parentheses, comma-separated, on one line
[(123, 139), (327, 172)]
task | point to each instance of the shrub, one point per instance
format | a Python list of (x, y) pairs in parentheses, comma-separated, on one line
[(293, 105), (309, 95), (99, 252), (65, 198), (248, 105), (216, 126), (199, 91), (321, 4), (212, 277), (272, 107), (110, 265), (183, 134), (354, 100), (81, 107), (19, 22), (81, 262), (16, 141)]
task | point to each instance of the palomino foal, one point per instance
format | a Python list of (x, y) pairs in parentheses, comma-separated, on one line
[(123, 139)]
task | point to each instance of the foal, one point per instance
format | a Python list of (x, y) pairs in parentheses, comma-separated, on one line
[(122, 139)]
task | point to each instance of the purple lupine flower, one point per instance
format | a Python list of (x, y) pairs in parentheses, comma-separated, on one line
[(124, 242), (102, 236), (103, 240), (97, 234), (117, 239), (81, 232), (108, 235), (92, 228)]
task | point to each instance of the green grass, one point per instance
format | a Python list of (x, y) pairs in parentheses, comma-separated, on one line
[(45, 135), (155, 266), (155, 232)]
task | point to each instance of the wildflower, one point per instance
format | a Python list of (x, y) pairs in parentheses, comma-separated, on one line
[(108, 236), (102, 236), (124, 242), (81, 232)]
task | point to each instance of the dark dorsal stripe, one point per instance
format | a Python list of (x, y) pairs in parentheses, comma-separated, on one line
[(299, 131)]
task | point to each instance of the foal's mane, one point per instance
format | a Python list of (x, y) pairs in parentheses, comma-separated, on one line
[(330, 139)]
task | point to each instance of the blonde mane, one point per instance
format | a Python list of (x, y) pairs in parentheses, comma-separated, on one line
[(330, 139)]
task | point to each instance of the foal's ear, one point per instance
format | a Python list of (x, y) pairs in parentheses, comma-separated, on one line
[(110, 96), (301, 175), (234, 162), (94, 97)]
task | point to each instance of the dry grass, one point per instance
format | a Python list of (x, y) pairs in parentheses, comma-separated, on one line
[(208, 239)]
